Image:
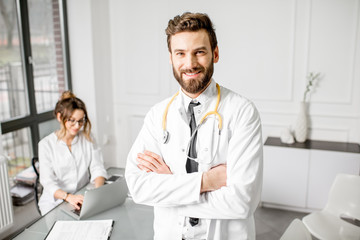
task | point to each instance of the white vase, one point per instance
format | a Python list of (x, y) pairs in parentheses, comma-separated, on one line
[(287, 136), (301, 124)]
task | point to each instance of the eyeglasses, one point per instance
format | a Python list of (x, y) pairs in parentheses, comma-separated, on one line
[(73, 122)]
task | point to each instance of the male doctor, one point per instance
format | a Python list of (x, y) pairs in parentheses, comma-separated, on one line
[(205, 182)]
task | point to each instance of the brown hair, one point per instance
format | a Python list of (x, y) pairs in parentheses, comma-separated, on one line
[(66, 105), (191, 22)]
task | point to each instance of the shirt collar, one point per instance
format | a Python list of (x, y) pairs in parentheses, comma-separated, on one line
[(73, 142), (203, 98)]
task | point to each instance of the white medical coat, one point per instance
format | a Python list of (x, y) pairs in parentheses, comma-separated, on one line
[(227, 211), (69, 171)]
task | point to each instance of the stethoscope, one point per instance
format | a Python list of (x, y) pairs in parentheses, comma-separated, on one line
[(166, 135)]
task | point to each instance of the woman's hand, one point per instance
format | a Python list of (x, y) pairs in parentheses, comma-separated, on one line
[(151, 162), (75, 200)]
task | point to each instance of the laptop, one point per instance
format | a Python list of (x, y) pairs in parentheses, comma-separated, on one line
[(99, 199)]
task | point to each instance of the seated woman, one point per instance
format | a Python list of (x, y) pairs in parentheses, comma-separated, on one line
[(68, 157)]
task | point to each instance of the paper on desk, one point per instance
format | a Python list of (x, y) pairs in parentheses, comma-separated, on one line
[(78, 230), (27, 176), (20, 191)]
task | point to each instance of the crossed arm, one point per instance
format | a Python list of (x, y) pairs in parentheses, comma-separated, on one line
[(230, 191), (211, 180)]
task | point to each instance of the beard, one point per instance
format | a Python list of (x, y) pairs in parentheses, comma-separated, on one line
[(195, 85)]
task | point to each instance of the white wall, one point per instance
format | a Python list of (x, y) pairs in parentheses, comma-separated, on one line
[(90, 55), (266, 50)]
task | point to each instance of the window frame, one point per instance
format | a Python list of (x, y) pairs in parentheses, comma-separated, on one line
[(33, 119)]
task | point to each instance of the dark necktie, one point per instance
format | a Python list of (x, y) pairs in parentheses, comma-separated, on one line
[(191, 165)]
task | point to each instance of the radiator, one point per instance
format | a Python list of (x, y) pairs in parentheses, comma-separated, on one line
[(6, 210)]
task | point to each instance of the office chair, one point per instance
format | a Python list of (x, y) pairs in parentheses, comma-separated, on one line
[(344, 201), (37, 186), (296, 231)]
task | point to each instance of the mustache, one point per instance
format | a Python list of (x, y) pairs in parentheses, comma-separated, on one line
[(192, 70)]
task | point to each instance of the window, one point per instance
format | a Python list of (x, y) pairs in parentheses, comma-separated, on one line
[(34, 71)]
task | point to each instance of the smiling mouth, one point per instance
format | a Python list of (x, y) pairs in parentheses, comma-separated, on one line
[(191, 74)]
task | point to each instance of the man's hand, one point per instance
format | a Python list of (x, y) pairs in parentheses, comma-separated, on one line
[(214, 179), (151, 162)]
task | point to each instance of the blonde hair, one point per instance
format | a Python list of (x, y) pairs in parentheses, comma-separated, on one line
[(66, 106)]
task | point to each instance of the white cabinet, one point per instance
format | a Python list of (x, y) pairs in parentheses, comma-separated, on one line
[(324, 165), (285, 176), (299, 176)]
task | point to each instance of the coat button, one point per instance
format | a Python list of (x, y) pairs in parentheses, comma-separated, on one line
[(206, 149), (199, 111)]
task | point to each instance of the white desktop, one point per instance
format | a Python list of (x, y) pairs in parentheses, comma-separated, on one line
[(129, 218)]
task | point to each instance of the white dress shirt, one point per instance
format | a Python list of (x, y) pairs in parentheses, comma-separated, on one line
[(68, 170), (227, 212), (198, 231)]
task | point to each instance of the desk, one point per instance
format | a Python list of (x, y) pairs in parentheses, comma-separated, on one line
[(132, 221)]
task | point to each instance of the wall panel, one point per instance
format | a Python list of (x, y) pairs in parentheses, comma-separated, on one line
[(332, 44), (266, 50)]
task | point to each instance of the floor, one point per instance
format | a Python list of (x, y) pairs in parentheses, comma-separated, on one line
[(23, 215), (270, 223)]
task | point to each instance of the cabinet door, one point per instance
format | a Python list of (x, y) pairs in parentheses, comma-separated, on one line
[(285, 176), (324, 166)]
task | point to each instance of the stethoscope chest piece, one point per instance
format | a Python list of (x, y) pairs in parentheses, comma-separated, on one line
[(165, 137)]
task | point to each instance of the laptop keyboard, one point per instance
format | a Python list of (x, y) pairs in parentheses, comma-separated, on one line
[(77, 212)]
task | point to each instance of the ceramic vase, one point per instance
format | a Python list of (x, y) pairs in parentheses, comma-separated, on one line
[(301, 124), (287, 136)]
